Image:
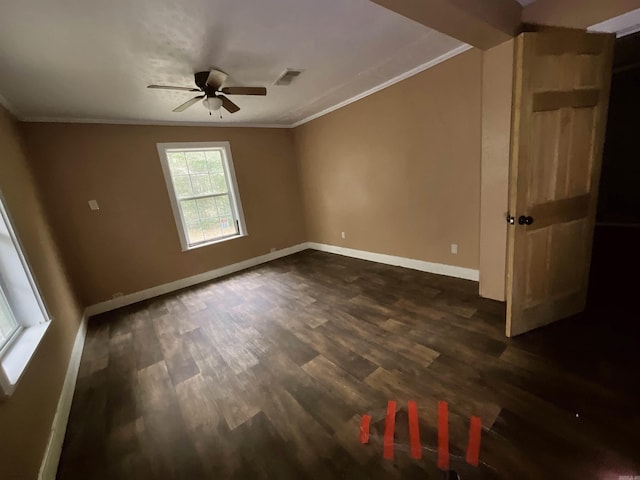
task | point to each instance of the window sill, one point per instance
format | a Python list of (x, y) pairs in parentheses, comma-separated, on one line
[(15, 360), (212, 242)]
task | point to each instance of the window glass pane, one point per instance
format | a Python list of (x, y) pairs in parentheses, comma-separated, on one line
[(182, 184), (194, 233), (219, 183), (201, 184), (203, 191), (211, 228), (214, 161), (207, 207), (177, 163), (8, 324), (228, 226), (190, 211), (196, 162), (224, 205)]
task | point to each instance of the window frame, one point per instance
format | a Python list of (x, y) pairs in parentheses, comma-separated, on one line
[(232, 187), (17, 352), (4, 301)]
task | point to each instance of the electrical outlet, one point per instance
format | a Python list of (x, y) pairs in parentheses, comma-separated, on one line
[(454, 248), (344, 235), (93, 205)]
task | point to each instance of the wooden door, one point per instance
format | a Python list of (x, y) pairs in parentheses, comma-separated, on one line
[(561, 93)]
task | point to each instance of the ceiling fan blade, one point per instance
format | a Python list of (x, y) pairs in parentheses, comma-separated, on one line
[(228, 104), (170, 87), (244, 90), (216, 78), (188, 103)]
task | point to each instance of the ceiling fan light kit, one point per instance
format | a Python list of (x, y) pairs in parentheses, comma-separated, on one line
[(210, 84), (212, 103)]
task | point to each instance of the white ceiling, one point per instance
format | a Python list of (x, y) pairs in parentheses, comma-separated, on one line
[(92, 59)]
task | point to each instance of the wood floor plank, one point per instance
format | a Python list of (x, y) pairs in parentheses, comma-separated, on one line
[(283, 339), (95, 356), (265, 452), (164, 439), (327, 409), (147, 348), (122, 382), (179, 362), (349, 360), (230, 345), (197, 403), (342, 384), (309, 441)]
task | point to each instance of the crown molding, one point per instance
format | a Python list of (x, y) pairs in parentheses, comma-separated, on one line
[(403, 76), (157, 123)]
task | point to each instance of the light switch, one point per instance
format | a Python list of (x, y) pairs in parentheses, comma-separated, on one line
[(93, 205)]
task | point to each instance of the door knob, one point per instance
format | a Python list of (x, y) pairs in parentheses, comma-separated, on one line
[(525, 220)]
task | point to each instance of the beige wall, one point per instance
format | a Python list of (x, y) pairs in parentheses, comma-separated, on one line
[(399, 171), (26, 417), (497, 83), (131, 243)]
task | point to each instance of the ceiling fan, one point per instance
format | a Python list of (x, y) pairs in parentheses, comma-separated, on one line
[(210, 85)]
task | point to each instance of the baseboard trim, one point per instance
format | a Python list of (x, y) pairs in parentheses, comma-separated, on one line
[(51, 458), (135, 297), (421, 265)]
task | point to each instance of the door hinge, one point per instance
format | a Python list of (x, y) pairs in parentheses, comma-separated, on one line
[(511, 220)]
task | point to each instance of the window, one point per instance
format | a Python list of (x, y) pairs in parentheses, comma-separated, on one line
[(203, 191), (23, 316)]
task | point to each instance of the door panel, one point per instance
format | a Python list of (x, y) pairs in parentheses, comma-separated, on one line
[(543, 164), (537, 254), (568, 275), (561, 93)]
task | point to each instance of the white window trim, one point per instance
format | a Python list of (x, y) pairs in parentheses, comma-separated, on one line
[(17, 353), (234, 192)]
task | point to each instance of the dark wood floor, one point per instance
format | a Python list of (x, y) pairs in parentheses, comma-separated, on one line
[(266, 373)]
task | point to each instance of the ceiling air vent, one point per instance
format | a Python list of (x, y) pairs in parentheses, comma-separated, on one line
[(287, 77)]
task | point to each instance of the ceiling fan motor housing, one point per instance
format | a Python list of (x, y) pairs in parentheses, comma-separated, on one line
[(201, 80)]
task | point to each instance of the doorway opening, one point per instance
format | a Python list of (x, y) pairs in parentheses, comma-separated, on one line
[(615, 260)]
